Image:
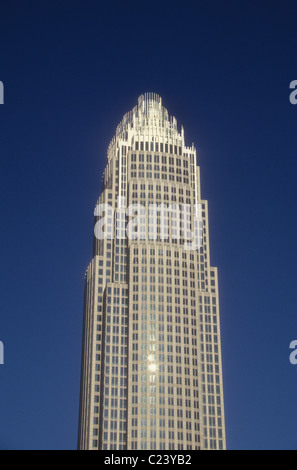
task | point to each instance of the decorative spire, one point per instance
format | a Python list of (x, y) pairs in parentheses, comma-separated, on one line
[(148, 117)]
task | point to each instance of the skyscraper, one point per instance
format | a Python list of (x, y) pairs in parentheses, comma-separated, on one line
[(151, 373)]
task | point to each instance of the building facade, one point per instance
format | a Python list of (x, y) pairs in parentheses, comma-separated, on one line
[(151, 372)]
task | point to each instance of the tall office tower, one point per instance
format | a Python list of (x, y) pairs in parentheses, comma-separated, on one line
[(151, 374)]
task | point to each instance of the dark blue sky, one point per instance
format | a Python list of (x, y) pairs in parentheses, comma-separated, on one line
[(71, 69)]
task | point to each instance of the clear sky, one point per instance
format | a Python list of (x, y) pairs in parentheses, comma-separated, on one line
[(71, 69)]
